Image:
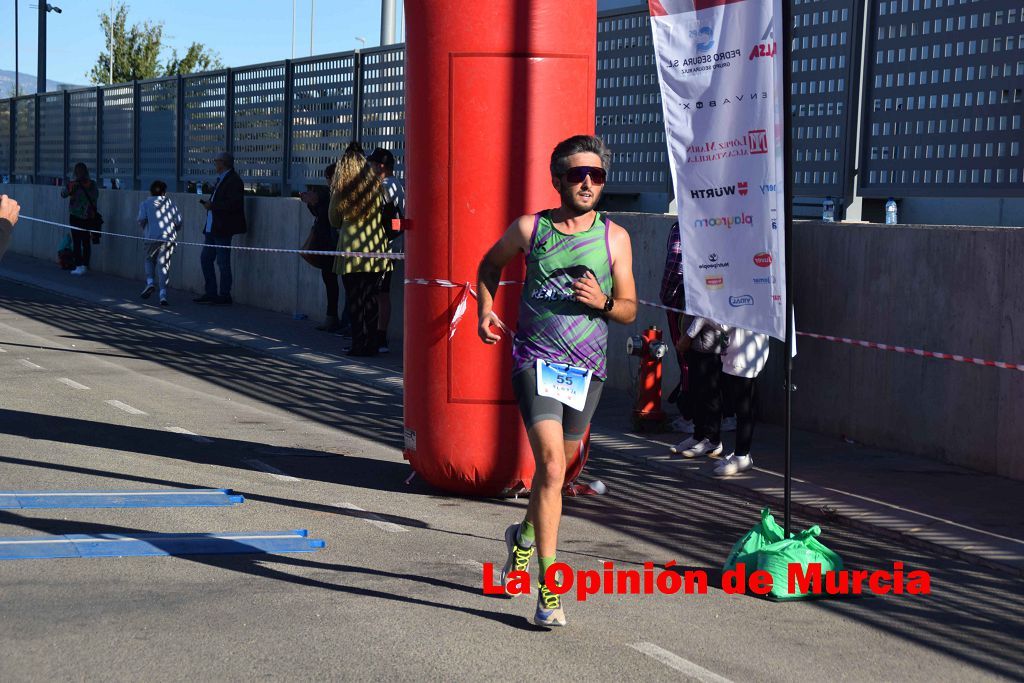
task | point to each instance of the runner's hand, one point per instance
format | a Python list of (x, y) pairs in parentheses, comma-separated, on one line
[(587, 291), (9, 209), (487, 321)]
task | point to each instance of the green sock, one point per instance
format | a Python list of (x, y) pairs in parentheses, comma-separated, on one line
[(526, 537), (545, 562)]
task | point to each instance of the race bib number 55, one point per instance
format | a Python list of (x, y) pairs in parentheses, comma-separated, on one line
[(563, 382)]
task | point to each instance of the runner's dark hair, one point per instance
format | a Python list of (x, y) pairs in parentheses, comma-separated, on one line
[(575, 145)]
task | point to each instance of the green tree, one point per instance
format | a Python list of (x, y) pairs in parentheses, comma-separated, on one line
[(137, 49), (197, 58)]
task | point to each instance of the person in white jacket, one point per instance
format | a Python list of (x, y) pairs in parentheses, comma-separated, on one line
[(743, 361), (743, 357)]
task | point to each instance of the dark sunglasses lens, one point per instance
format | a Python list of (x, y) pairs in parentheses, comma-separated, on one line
[(579, 173)]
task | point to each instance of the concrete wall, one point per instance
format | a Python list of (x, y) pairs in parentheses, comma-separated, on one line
[(942, 288), (278, 282), (953, 289)]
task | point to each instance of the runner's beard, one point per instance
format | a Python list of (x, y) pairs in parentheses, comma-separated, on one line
[(572, 203)]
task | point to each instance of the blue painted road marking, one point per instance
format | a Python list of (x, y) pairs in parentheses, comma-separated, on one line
[(118, 499), (150, 544)]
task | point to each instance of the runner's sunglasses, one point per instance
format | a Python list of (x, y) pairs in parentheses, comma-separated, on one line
[(576, 174)]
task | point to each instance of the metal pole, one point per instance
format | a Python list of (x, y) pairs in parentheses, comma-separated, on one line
[(312, 22), (387, 22), (110, 44), (293, 29), (787, 218), (17, 70), (41, 69)]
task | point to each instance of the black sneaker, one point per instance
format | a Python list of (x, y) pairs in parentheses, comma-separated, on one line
[(164, 302), (224, 300), (205, 299), (148, 291)]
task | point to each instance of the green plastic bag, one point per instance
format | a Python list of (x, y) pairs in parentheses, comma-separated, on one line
[(804, 550), (764, 533)]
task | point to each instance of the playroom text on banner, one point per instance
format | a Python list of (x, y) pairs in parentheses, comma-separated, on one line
[(720, 70)]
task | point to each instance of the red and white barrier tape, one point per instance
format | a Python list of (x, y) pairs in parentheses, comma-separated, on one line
[(468, 291), (463, 305), (915, 352), (311, 252)]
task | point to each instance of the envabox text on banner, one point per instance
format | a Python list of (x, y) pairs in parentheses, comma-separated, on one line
[(721, 90)]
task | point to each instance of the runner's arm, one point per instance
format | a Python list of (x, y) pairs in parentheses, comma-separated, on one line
[(515, 240), (623, 285)]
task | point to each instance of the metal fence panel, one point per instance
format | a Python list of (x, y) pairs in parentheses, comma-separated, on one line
[(323, 115), (629, 112), (51, 135), (945, 101), (382, 102), (204, 130), (826, 79), (82, 129), (258, 111), (25, 137), (5, 138), (158, 132), (118, 143)]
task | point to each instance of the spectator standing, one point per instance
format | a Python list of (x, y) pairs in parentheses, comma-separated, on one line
[(383, 161), (225, 218), (9, 211), (742, 362), (83, 196), (160, 221), (702, 345), (325, 238), (356, 210), (672, 296)]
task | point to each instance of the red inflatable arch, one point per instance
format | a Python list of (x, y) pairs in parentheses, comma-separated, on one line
[(491, 87)]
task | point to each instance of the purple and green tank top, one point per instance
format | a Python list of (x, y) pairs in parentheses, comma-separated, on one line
[(552, 326)]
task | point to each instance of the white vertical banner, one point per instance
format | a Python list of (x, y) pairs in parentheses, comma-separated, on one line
[(720, 69)]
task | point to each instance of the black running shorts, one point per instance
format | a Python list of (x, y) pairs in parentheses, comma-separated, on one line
[(535, 408)]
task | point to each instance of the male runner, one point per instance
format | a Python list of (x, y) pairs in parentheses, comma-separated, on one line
[(579, 275)]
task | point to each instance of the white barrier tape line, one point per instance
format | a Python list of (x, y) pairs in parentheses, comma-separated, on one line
[(468, 291), (916, 352), (882, 347), (460, 309), (310, 252)]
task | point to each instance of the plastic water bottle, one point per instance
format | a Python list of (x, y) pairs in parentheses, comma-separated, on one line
[(890, 212), (828, 211)]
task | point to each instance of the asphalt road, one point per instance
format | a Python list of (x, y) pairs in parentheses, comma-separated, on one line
[(93, 399)]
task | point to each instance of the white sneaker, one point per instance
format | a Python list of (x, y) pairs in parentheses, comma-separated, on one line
[(80, 270), (682, 425), (729, 424), (692, 448), (733, 464)]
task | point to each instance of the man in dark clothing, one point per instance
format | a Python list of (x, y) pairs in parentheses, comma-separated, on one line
[(325, 238), (225, 218), (9, 210)]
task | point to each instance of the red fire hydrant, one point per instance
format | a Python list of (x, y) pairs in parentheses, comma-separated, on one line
[(647, 412)]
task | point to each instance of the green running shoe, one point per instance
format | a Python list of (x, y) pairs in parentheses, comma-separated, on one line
[(518, 556), (549, 608)]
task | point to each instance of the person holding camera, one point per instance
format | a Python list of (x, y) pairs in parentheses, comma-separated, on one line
[(82, 194), (722, 360), (702, 343)]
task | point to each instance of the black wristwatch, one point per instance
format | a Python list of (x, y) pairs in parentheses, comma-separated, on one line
[(609, 304)]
